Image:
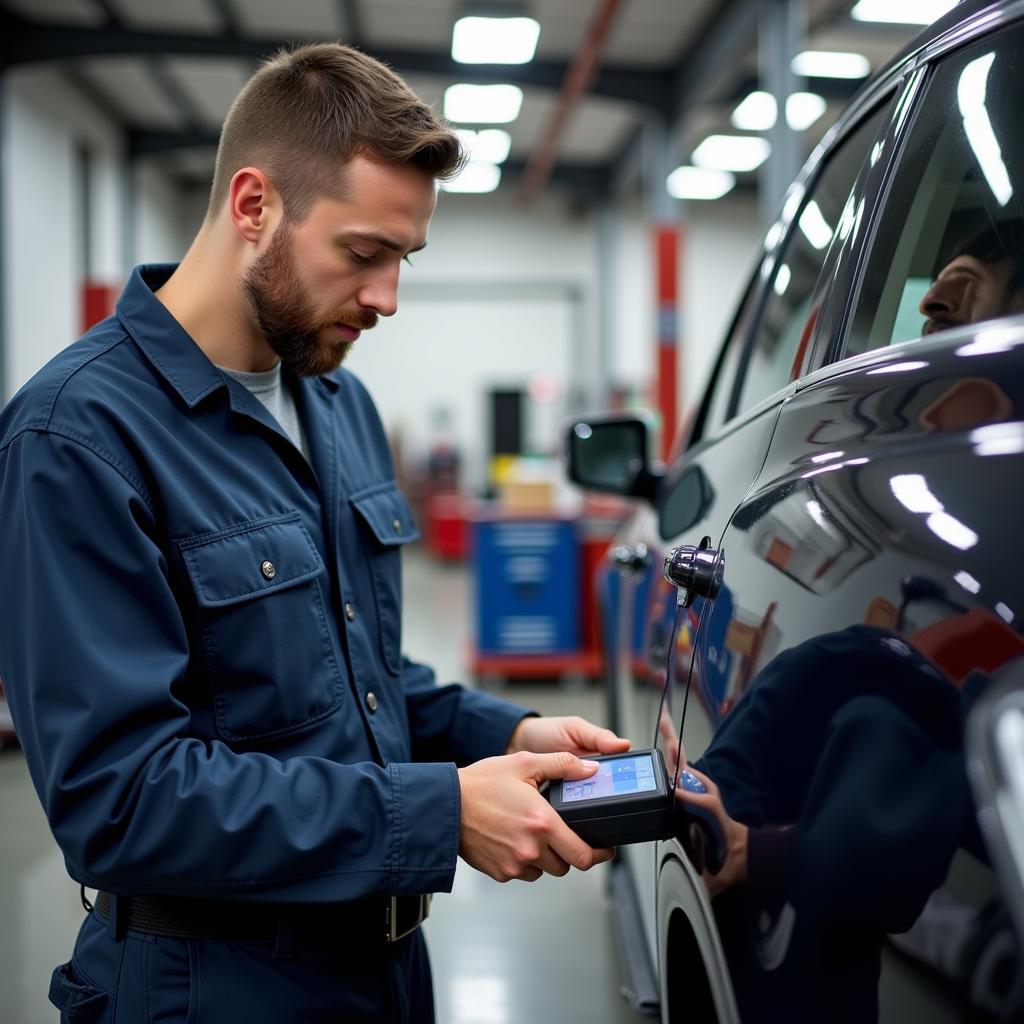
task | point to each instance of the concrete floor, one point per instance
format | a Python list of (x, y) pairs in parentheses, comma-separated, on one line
[(502, 954)]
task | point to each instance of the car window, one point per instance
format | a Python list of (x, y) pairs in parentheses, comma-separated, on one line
[(788, 318), (949, 248)]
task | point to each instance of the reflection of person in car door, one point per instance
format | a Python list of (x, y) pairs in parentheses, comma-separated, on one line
[(981, 280), (840, 785)]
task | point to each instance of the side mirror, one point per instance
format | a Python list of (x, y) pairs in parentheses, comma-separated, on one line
[(610, 454)]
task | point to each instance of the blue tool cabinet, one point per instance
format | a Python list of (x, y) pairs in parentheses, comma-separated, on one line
[(527, 580)]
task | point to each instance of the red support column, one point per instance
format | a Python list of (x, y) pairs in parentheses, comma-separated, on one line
[(667, 240), (97, 303)]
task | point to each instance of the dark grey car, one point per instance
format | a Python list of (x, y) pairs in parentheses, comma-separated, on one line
[(854, 478)]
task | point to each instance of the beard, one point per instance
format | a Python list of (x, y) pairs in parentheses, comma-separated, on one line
[(285, 315)]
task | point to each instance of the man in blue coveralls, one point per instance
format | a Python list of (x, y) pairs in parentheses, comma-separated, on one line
[(200, 621)]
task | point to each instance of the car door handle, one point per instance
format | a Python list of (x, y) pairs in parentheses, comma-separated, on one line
[(630, 559), (697, 572)]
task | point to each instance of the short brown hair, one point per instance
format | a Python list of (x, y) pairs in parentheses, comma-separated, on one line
[(308, 109)]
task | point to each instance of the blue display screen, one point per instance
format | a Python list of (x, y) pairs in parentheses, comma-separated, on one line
[(618, 777)]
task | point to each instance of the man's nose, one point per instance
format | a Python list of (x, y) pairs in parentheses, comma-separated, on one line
[(380, 293), (942, 299)]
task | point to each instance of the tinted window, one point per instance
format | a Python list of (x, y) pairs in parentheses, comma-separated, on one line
[(949, 248), (788, 318)]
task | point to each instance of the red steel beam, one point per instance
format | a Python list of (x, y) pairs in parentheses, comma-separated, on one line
[(578, 77)]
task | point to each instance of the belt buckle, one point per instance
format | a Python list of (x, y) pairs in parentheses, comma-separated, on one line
[(396, 927)]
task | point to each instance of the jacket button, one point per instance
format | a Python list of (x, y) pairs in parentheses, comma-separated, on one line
[(371, 701), (269, 570), (350, 611), (397, 524)]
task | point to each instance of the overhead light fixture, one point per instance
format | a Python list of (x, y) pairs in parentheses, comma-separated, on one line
[(489, 145), (495, 40), (757, 111), (482, 104), (826, 64), (698, 183), (474, 177), (803, 109), (732, 152), (902, 12)]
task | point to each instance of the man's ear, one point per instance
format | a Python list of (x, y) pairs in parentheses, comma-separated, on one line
[(254, 206)]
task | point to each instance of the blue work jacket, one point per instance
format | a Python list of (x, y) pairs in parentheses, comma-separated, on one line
[(200, 631)]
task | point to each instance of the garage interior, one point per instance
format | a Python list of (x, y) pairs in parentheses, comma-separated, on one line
[(587, 259)]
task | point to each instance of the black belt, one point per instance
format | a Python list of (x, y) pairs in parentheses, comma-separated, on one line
[(385, 919)]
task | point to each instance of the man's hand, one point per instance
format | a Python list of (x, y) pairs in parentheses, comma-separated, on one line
[(509, 830), (575, 734)]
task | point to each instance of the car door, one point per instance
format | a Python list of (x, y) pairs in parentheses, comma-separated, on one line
[(870, 599), (770, 336)]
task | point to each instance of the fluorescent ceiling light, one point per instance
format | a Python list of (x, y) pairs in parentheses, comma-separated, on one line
[(970, 94), (488, 146), (699, 183), (814, 226), (757, 111), (803, 109), (482, 104), (732, 152), (902, 12), (825, 64), (474, 177), (495, 40)]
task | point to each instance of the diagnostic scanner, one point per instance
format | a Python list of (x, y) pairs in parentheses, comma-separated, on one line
[(628, 800)]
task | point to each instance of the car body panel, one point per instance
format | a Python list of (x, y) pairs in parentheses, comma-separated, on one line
[(864, 518)]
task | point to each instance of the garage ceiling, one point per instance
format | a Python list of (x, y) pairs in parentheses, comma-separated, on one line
[(167, 72)]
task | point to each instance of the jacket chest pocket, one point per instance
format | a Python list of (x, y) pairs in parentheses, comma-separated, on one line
[(268, 652), (388, 524)]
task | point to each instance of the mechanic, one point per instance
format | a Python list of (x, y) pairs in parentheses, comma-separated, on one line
[(200, 624), (981, 280)]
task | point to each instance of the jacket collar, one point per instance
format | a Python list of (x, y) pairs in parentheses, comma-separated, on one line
[(167, 345)]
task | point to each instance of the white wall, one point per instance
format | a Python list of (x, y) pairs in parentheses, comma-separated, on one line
[(720, 248), (164, 223), (44, 121), (501, 297)]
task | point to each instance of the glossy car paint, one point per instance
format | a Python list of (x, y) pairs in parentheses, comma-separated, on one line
[(879, 490)]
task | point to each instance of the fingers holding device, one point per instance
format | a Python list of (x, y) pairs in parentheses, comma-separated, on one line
[(509, 830)]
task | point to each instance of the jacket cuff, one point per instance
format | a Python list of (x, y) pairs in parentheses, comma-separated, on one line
[(426, 824)]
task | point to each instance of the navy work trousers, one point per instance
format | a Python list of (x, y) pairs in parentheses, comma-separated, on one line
[(146, 979)]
